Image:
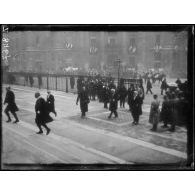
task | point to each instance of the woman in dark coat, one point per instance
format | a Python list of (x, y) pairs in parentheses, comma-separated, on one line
[(154, 113), (84, 101), (42, 114), (11, 105)]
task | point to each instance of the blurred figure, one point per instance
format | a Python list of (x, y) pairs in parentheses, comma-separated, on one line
[(42, 114), (130, 93), (39, 80), (50, 103), (72, 82), (31, 80), (11, 105), (165, 112), (173, 111), (154, 113), (113, 104), (122, 95), (178, 82), (84, 101), (163, 86), (136, 108), (148, 86), (105, 96)]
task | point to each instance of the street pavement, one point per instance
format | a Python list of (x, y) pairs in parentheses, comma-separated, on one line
[(94, 140)]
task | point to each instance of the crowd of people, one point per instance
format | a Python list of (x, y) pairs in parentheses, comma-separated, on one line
[(105, 90)]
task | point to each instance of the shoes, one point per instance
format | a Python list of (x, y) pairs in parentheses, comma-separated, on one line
[(109, 117), (133, 123), (55, 114), (48, 131), (172, 130), (152, 129), (40, 132), (16, 121), (8, 121)]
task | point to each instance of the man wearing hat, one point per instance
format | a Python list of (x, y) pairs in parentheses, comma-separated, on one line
[(113, 104), (50, 103), (11, 105), (42, 114)]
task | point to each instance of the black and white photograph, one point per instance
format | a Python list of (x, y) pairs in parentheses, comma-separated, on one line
[(97, 97)]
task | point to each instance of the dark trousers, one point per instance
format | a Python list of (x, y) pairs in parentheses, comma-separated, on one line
[(44, 125), (154, 127), (105, 105), (135, 117), (149, 89), (82, 114), (115, 113), (122, 103), (13, 113)]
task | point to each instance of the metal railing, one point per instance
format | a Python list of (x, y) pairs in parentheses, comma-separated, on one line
[(58, 82)]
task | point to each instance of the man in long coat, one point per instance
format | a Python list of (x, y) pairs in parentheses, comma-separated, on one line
[(165, 113), (42, 114), (113, 103), (11, 105), (84, 101), (136, 107), (50, 103)]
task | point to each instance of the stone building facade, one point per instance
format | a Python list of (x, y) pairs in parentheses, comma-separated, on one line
[(53, 51)]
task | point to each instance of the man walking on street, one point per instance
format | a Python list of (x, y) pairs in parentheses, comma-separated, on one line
[(50, 103), (113, 104), (148, 86), (84, 101), (42, 114), (11, 105)]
